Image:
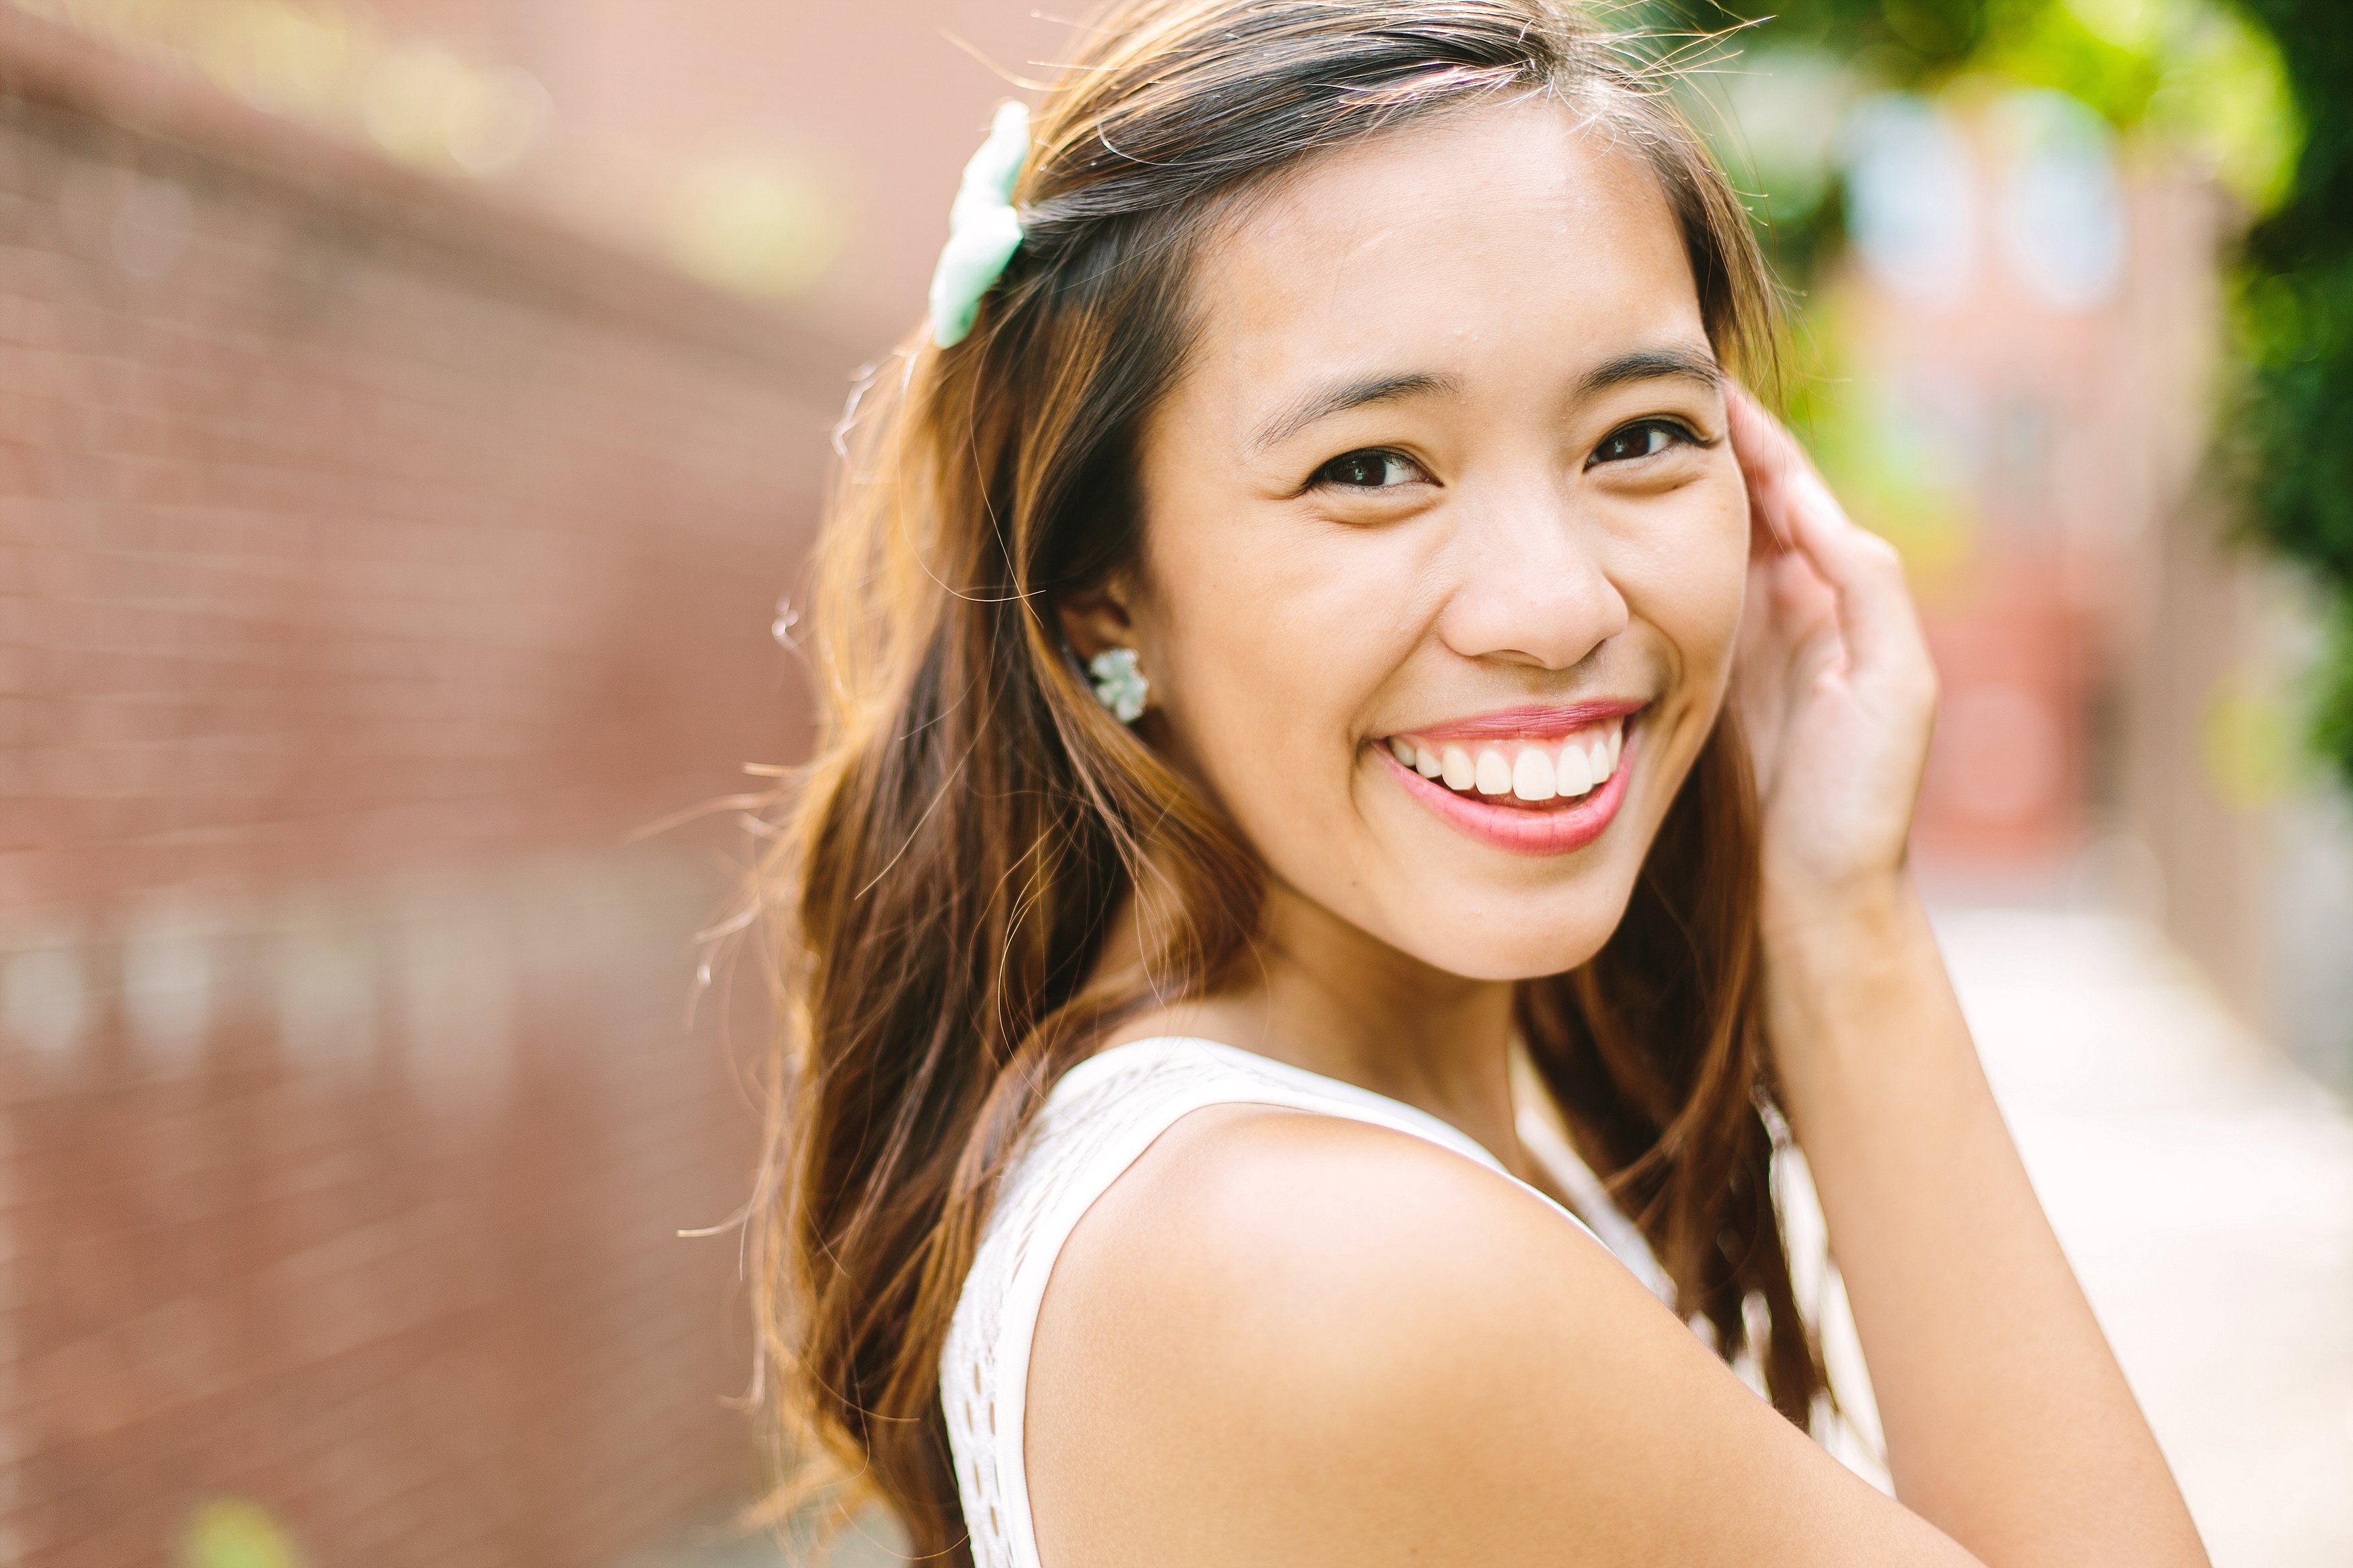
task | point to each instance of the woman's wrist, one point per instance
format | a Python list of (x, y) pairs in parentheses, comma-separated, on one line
[(1811, 925), (1857, 1002)]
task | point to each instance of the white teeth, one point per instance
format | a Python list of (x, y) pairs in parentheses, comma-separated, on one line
[(1532, 775), (1576, 776), (1495, 775), (1532, 771)]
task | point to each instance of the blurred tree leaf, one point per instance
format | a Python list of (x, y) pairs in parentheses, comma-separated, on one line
[(230, 1533), (2295, 328), (2261, 91)]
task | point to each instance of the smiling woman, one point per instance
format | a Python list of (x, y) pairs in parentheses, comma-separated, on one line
[(1418, 491), (1287, 658)]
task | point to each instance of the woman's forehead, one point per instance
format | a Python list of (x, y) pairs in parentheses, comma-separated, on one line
[(1500, 238)]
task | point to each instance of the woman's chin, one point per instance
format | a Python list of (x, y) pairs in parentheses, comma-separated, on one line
[(1512, 936)]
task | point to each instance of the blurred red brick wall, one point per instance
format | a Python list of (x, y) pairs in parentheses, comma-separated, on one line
[(370, 563)]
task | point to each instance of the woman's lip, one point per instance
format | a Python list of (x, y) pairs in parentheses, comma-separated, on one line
[(1533, 722), (1557, 831)]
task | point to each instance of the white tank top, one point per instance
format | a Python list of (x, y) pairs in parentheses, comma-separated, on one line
[(1098, 1121)]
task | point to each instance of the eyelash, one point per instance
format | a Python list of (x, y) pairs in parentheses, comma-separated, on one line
[(1675, 431), (1323, 478)]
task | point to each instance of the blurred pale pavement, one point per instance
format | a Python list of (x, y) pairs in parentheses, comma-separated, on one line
[(2203, 1187)]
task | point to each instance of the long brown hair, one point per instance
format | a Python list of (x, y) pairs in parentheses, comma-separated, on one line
[(973, 821)]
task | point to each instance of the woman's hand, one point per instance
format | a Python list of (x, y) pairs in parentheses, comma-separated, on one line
[(2008, 1422), (1832, 683)]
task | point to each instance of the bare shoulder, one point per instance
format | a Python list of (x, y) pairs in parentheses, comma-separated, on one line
[(1283, 1337)]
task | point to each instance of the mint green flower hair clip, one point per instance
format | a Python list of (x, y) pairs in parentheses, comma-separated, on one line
[(982, 232)]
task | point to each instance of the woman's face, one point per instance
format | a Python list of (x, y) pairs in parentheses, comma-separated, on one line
[(1444, 543)]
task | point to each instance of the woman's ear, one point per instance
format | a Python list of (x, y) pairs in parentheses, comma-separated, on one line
[(1096, 618)]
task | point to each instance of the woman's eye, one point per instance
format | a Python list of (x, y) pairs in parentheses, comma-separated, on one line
[(1369, 470), (1643, 439)]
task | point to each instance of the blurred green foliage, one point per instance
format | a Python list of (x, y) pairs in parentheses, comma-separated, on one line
[(2261, 91), (2295, 327), (2204, 75), (230, 1533)]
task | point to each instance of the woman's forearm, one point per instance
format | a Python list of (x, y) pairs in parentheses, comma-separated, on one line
[(2009, 1423)]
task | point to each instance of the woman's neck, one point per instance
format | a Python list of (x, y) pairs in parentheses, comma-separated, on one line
[(1325, 996)]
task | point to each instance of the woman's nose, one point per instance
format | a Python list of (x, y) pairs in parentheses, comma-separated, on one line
[(1531, 589)]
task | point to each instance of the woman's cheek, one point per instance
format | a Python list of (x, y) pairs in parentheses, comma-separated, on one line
[(1229, 674), (1272, 687), (1696, 586), (1275, 650)]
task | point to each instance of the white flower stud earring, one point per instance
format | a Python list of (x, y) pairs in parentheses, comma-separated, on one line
[(1119, 685)]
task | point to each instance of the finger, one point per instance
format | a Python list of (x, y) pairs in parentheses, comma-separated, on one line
[(1864, 572), (1765, 453), (1786, 599), (1801, 610), (1789, 630), (1874, 606)]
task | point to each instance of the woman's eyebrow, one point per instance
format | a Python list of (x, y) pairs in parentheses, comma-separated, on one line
[(1649, 364), (1325, 402), (1675, 361)]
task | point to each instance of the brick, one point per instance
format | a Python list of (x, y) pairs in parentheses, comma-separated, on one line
[(363, 594)]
